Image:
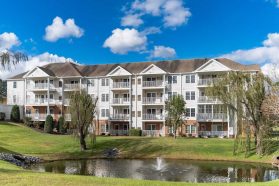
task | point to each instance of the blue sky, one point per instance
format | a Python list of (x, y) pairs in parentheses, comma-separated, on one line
[(203, 28)]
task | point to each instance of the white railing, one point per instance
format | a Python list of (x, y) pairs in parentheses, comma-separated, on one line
[(67, 101), (43, 101), (208, 81), (210, 116), (67, 117), (119, 132), (121, 85), (151, 132), (37, 117), (152, 117), (152, 100), (120, 100), (40, 86), (213, 133), (158, 83), (208, 99), (71, 86), (120, 117)]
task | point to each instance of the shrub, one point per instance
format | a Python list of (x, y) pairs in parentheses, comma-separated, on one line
[(2, 116), (38, 124), (15, 114), (62, 126), (135, 132), (27, 121), (48, 124)]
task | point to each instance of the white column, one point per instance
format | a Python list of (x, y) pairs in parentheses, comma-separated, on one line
[(25, 89), (164, 107), (130, 105), (136, 99), (48, 112)]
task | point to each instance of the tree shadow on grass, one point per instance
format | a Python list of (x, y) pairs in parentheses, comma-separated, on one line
[(2, 149)]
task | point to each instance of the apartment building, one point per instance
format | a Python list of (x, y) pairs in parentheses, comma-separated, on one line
[(130, 95)]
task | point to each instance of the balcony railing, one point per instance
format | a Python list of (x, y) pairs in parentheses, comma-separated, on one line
[(119, 132), (44, 102), (208, 99), (152, 117), (208, 81), (120, 101), (213, 133), (210, 116), (152, 100), (71, 86), (67, 101), (120, 117), (121, 85), (151, 133), (158, 83), (37, 117)]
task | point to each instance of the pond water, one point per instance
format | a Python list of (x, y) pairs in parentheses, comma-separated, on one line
[(164, 169)]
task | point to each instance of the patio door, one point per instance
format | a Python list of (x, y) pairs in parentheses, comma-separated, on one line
[(217, 127), (151, 127)]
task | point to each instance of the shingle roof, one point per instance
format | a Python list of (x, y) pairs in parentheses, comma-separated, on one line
[(172, 66)]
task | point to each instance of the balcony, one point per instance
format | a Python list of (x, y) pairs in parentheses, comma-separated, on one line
[(121, 101), (154, 84), (208, 99), (152, 100), (208, 82), (119, 132), (44, 102), (121, 85), (72, 87), (151, 133), (212, 117), (67, 101), (37, 117), (152, 117), (41, 87), (120, 117), (213, 133)]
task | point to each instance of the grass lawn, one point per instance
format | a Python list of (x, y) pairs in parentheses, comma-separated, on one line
[(20, 139)]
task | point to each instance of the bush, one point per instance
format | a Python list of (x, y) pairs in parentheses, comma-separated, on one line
[(135, 132), (15, 114), (2, 116), (48, 124), (62, 126), (27, 121)]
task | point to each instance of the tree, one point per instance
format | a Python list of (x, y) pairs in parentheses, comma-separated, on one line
[(3, 90), (175, 110), (15, 113), (243, 94), (48, 127), (8, 58), (61, 125), (83, 110)]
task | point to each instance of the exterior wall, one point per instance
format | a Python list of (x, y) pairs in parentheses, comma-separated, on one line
[(18, 92), (7, 110)]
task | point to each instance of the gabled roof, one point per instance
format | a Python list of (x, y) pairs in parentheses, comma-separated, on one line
[(69, 69)]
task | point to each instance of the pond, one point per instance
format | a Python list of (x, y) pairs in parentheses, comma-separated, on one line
[(164, 169)]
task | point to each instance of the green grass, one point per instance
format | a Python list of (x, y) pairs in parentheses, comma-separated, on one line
[(20, 139)]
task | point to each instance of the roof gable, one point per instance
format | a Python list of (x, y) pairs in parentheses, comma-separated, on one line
[(153, 69), (213, 66), (119, 71), (37, 72)]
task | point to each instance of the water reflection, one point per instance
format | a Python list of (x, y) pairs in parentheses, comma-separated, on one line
[(161, 169)]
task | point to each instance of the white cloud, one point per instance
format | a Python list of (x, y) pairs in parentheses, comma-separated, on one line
[(126, 40), (267, 55), (39, 60), (271, 70), (151, 30), (163, 52), (173, 11), (8, 40), (58, 30), (131, 20)]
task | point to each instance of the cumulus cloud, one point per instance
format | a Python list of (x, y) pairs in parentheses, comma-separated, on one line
[(126, 40), (173, 11), (8, 40), (265, 55), (163, 52), (131, 20), (38, 60), (58, 30)]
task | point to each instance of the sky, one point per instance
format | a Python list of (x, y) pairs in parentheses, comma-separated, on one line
[(110, 31)]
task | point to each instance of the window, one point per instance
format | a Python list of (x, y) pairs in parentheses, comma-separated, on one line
[(51, 82), (190, 112), (60, 98), (14, 99), (151, 79), (190, 78), (170, 94), (90, 82), (104, 113), (60, 83), (191, 129), (151, 111), (151, 127), (14, 84), (105, 97), (190, 95), (208, 109), (105, 82), (74, 82), (201, 109), (28, 111), (172, 79)]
